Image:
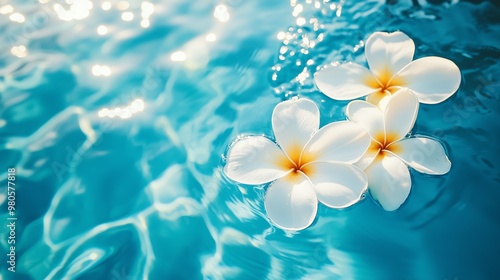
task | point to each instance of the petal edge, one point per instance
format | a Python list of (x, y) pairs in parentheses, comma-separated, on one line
[(294, 122), (389, 181), (345, 81), (388, 53), (337, 185), (433, 79), (423, 154), (254, 160), (291, 205), (343, 141)]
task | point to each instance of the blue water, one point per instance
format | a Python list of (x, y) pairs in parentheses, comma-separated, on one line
[(144, 197)]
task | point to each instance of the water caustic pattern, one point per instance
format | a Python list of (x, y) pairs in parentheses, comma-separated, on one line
[(115, 115)]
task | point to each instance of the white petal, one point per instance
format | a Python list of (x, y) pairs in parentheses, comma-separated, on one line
[(369, 116), (400, 115), (291, 204), (369, 156), (387, 53), (433, 79), (378, 98), (294, 122), (255, 160), (337, 185), (343, 141), (382, 102), (389, 181), (423, 154), (345, 81)]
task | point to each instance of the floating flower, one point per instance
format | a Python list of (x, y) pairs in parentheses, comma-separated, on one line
[(307, 166), (389, 55), (385, 161)]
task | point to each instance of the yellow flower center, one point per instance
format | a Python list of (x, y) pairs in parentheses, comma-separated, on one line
[(385, 84), (384, 142), (296, 162)]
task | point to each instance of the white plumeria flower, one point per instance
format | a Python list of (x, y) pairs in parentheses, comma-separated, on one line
[(307, 166), (385, 161), (389, 55)]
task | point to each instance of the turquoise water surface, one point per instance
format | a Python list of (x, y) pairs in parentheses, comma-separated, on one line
[(143, 196)]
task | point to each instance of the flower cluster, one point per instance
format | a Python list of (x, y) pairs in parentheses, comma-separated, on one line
[(337, 163)]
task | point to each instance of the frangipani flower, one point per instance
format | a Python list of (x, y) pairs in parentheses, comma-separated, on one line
[(389, 55), (307, 166), (385, 161)]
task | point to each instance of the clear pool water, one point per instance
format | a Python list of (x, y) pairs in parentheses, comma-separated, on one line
[(142, 195)]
